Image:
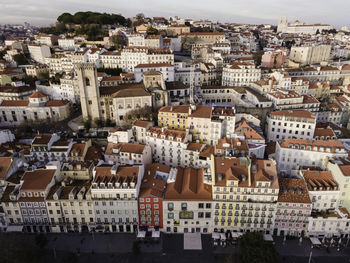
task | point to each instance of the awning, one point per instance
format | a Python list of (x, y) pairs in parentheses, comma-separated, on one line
[(156, 234), (222, 236), (14, 229), (141, 234), (236, 234), (268, 237), (315, 241), (215, 235)]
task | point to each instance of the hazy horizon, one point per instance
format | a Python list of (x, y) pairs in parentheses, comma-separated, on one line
[(44, 13)]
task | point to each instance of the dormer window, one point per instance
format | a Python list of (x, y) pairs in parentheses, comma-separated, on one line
[(29, 194), (36, 194)]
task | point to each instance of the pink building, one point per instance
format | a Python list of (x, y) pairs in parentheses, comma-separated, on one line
[(293, 208), (273, 59)]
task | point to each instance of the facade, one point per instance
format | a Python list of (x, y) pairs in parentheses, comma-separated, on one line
[(187, 204), (293, 208), (239, 74), (298, 124), (39, 52), (114, 191), (244, 194), (293, 153), (37, 108), (300, 28), (307, 55)]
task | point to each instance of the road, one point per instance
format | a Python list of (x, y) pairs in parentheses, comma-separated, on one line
[(118, 248)]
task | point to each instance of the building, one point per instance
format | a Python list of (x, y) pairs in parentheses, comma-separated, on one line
[(34, 189), (115, 190), (244, 194), (293, 208), (187, 204), (128, 154), (139, 129), (39, 52), (151, 197), (293, 153), (300, 28), (240, 74), (70, 208), (37, 108), (307, 55), (298, 124), (323, 189)]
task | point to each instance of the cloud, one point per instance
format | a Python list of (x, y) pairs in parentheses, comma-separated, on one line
[(44, 12)]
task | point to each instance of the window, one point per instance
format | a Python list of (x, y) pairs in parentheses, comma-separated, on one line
[(170, 215), (170, 206), (201, 205), (183, 206)]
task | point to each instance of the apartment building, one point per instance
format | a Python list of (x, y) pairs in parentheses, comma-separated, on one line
[(307, 55), (244, 194), (70, 208), (39, 52), (323, 189), (240, 74), (139, 129), (187, 204), (114, 191), (293, 208), (293, 153), (34, 189), (150, 201), (128, 153), (167, 70), (298, 124)]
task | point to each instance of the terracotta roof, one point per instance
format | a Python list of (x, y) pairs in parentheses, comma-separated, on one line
[(37, 94), (142, 124), (294, 113), (345, 169), (14, 103), (315, 145), (293, 190), (5, 163), (201, 111), (151, 183), (42, 139), (131, 93), (175, 109), (247, 130), (37, 179), (124, 174), (319, 180), (189, 185), (325, 132), (168, 133), (56, 103)]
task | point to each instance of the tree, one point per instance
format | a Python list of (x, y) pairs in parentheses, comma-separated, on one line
[(87, 125), (117, 41), (99, 123), (152, 31), (20, 59), (66, 18), (144, 113), (317, 32), (257, 57), (252, 248)]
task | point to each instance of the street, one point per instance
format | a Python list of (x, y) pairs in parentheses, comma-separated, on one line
[(117, 247)]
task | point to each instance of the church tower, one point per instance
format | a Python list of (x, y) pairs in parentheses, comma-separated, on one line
[(282, 25), (89, 90)]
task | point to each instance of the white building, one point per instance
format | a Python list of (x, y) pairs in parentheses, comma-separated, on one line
[(39, 52), (293, 153), (115, 190), (166, 69), (310, 54), (299, 124), (239, 74)]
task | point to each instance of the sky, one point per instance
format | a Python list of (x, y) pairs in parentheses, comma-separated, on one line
[(45, 12)]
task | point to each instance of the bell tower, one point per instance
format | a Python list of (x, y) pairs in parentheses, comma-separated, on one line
[(89, 90)]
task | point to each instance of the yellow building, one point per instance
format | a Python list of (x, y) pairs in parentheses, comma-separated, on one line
[(244, 194), (174, 117)]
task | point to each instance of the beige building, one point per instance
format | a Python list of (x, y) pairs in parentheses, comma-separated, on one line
[(307, 55)]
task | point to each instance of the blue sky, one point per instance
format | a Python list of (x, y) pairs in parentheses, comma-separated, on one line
[(45, 12)]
